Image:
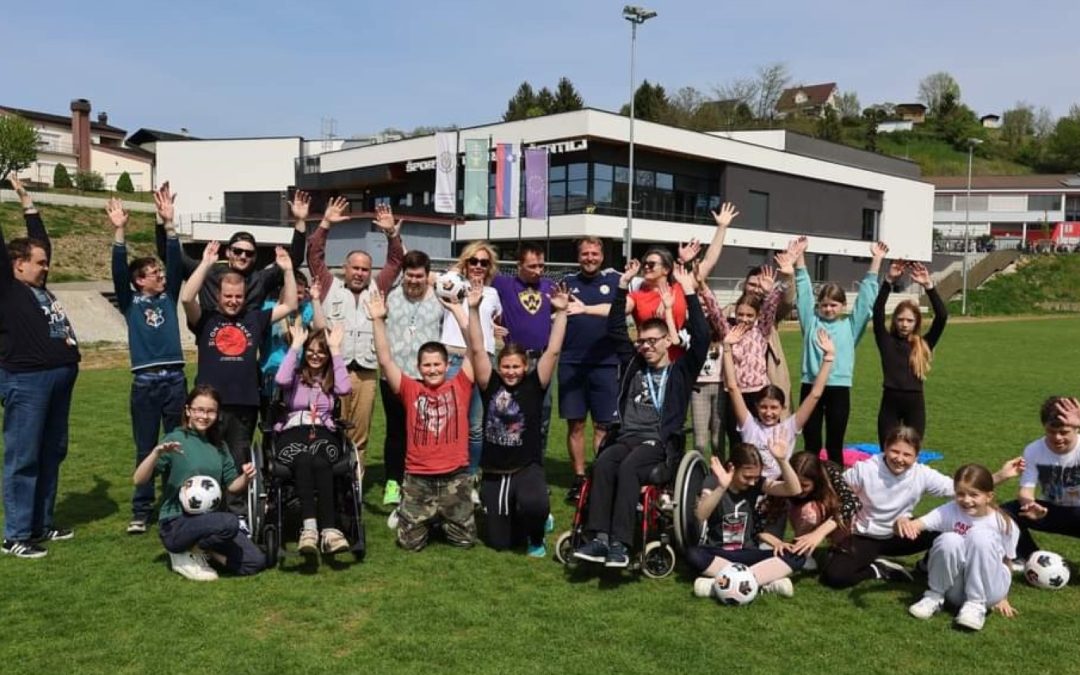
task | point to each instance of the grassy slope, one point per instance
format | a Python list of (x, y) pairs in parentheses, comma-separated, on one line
[(107, 603), (81, 238), (1042, 278)]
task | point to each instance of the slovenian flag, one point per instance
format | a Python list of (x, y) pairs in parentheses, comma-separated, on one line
[(507, 181)]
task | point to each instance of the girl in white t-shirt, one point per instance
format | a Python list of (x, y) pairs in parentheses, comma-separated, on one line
[(758, 430), (968, 562)]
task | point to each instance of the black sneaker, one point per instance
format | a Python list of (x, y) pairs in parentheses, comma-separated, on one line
[(891, 571), (54, 534), (574, 493), (617, 555), (595, 551), (23, 549)]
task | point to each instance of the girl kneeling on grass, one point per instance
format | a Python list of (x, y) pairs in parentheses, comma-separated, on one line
[(196, 449), (728, 506), (306, 438), (824, 508), (968, 563), (889, 486)]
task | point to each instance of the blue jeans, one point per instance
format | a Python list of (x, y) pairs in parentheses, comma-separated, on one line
[(216, 531), (476, 416), (36, 407), (157, 400)]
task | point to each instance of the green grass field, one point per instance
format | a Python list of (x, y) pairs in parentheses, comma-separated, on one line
[(106, 602)]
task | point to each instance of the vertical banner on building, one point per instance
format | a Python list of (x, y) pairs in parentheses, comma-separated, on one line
[(477, 161), (536, 183), (446, 172), (507, 181)]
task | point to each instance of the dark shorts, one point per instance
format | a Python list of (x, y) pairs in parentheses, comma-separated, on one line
[(586, 389)]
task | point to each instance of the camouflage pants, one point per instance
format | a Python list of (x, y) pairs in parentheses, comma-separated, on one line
[(426, 499)]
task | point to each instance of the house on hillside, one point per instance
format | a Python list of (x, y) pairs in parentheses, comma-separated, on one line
[(807, 100), (147, 139), (990, 121), (911, 112), (81, 144)]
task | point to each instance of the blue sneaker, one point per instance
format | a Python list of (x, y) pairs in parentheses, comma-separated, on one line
[(549, 524), (595, 551), (536, 550), (617, 555)]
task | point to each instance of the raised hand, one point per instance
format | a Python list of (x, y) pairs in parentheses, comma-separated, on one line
[(878, 250), (1068, 410), (685, 278), (165, 203), (767, 278), (335, 211), (722, 473), (667, 297), (785, 263), (384, 219), (896, 270), (20, 190), (689, 250), (118, 217), (798, 246), (778, 445), (725, 215), (376, 306), (315, 291), (921, 275), (630, 272), (335, 337), (210, 253), (825, 342), (281, 257), (297, 333), (300, 205), (736, 333), (560, 298), (475, 295)]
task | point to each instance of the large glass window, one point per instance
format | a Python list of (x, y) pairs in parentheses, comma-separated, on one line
[(870, 224), (557, 198), (665, 181), (579, 171), (943, 202), (602, 183), (978, 202), (1041, 203), (1072, 208)]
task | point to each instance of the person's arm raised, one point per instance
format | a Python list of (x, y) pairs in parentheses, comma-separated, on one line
[(189, 294), (377, 310), (806, 408), (334, 213), (708, 501), (395, 249), (118, 218), (921, 275), (723, 218), (545, 367), (474, 332), (287, 300), (731, 379), (318, 314)]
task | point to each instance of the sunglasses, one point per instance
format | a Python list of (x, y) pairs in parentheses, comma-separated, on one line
[(242, 252), (650, 264), (479, 262), (650, 341)]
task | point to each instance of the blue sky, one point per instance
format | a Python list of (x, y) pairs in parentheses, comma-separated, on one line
[(276, 68)]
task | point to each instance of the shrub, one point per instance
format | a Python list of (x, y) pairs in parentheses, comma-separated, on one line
[(123, 183), (89, 181), (60, 177)]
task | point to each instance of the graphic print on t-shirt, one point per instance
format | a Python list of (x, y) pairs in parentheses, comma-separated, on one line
[(531, 299), (436, 418), (59, 327), (153, 317), (505, 420), (1060, 484), (733, 529), (231, 341)]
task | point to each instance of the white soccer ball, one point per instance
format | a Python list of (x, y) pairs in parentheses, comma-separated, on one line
[(736, 585), (451, 286), (1046, 570), (200, 494)]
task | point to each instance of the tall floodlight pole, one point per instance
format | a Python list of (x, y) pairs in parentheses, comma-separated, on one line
[(635, 15), (972, 142)]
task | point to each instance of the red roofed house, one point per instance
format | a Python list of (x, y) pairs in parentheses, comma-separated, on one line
[(81, 144), (807, 101)]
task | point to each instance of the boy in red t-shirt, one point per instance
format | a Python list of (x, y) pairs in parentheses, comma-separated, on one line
[(437, 483)]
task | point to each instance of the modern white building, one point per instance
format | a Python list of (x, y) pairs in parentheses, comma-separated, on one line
[(1042, 208)]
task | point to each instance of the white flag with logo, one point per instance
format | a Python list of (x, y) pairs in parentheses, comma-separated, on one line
[(446, 172)]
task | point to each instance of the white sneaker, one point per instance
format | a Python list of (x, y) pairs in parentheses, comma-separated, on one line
[(972, 616), (929, 605), (782, 587), (1017, 565), (192, 565), (392, 520), (703, 587)]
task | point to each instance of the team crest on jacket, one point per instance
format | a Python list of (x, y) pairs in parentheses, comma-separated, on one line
[(154, 317), (531, 300)]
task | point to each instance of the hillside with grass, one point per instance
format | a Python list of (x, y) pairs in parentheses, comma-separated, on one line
[(1041, 284), (82, 239)]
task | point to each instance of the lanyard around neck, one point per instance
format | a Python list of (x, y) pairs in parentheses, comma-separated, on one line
[(657, 397)]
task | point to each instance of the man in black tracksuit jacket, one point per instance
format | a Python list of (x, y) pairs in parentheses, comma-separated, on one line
[(653, 396)]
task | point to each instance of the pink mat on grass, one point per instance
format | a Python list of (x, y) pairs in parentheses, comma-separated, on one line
[(851, 456)]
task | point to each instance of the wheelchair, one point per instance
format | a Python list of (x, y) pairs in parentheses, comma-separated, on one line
[(274, 508), (666, 521)]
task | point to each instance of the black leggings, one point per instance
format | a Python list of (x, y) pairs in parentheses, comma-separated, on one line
[(618, 474), (833, 409), (516, 506), (394, 446), (846, 568), (900, 407), (729, 424), (312, 469)]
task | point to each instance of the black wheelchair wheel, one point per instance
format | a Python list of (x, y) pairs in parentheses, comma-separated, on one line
[(564, 548), (658, 560), (272, 544), (688, 480)]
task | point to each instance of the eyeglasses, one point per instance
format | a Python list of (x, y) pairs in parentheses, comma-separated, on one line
[(479, 262), (203, 412), (242, 252), (155, 272), (650, 341), (320, 354), (649, 264)]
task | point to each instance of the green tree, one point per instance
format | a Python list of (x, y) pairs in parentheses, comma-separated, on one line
[(828, 127), (18, 144), (956, 122), (933, 89), (545, 103), (1063, 146), (848, 103), (1017, 126), (873, 116), (567, 97), (650, 103), (60, 177), (123, 183), (522, 102), (89, 181)]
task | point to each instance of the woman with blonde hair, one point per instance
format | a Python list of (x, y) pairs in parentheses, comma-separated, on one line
[(905, 352)]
